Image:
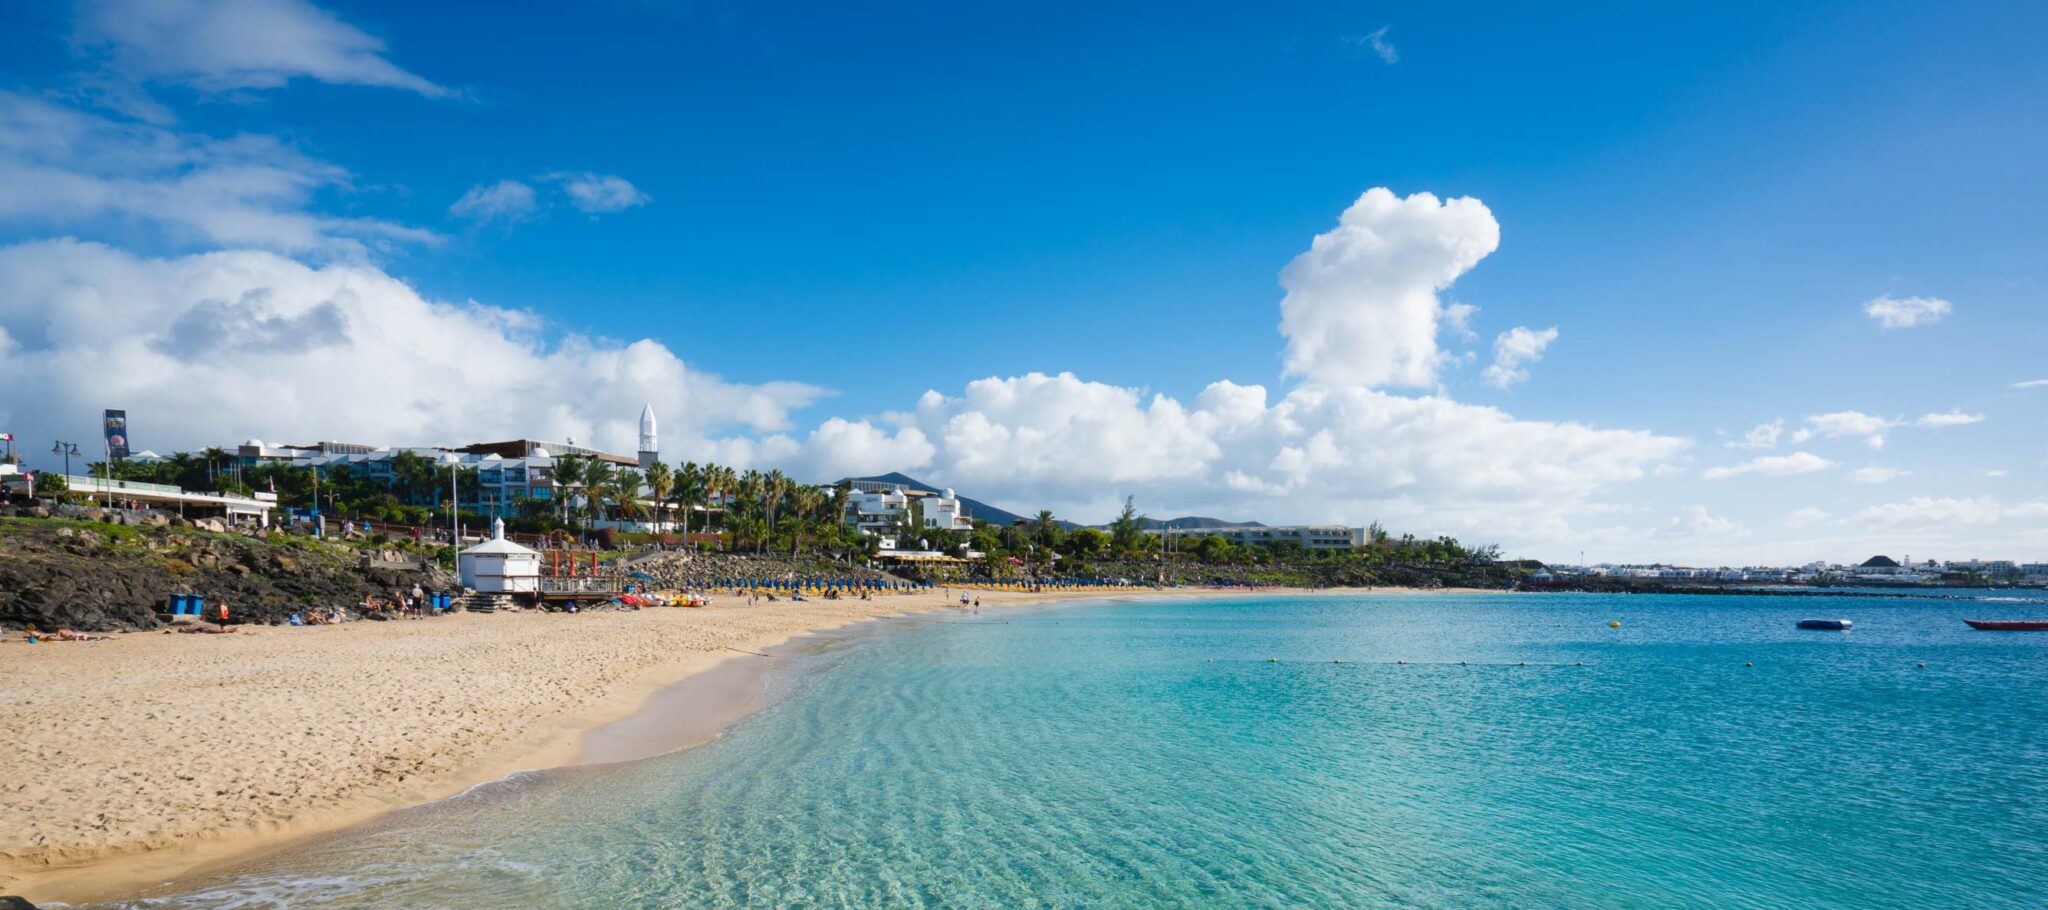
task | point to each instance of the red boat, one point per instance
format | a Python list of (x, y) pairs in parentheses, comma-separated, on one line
[(2009, 625)]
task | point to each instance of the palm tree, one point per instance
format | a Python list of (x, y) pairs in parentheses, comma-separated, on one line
[(569, 472), (689, 491), (214, 455), (660, 480), (185, 468), (752, 492), (723, 484), (807, 503), (774, 487), (623, 489), (1045, 529), (597, 478)]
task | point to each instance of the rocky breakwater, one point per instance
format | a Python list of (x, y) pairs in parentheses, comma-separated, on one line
[(683, 569), (105, 576)]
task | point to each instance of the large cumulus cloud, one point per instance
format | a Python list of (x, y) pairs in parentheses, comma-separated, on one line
[(1362, 305), (213, 348)]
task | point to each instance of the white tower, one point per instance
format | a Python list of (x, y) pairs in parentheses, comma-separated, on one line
[(649, 448)]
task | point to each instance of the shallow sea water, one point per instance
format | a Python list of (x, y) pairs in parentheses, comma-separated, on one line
[(1468, 751)]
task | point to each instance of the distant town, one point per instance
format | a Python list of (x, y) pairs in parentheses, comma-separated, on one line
[(540, 485)]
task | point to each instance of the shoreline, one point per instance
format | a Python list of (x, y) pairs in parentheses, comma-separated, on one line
[(584, 707)]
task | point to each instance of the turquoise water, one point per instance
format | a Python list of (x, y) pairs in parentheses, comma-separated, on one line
[(1148, 754)]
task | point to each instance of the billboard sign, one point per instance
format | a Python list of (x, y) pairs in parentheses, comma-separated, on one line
[(117, 434)]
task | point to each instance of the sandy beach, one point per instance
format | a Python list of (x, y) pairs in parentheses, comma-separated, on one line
[(141, 758)]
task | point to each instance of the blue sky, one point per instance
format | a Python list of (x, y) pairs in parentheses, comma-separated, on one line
[(830, 211)]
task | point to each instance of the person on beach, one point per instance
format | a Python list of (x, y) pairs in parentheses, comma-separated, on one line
[(31, 636)]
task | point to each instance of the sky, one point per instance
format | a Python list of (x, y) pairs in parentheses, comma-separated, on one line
[(1713, 284)]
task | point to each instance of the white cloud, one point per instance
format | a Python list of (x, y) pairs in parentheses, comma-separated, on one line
[(506, 200), (1695, 522), (1513, 351), (1317, 454), (513, 200), (1896, 313), (1458, 317), (1377, 40), (1806, 516), (1949, 419), (1761, 436), (1877, 474), (2031, 384), (2031, 509), (64, 169), (1362, 307), (1923, 511), (1772, 465), (599, 193), (1847, 423), (1995, 473), (218, 347), (842, 448), (223, 45)]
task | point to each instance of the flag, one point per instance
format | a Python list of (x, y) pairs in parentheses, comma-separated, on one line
[(117, 433), (6, 437)]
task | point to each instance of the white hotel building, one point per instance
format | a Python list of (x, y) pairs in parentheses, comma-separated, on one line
[(1310, 537), (883, 508)]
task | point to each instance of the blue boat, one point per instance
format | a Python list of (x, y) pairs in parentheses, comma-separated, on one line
[(1831, 625)]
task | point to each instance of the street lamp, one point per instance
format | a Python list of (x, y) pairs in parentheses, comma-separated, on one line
[(454, 509), (66, 449)]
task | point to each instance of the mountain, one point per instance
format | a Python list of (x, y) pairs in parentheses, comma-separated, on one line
[(981, 511), (976, 509), (1196, 521)]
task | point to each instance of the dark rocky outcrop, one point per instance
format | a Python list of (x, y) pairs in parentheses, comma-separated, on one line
[(104, 577)]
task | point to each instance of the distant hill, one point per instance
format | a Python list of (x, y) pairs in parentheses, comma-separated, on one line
[(1196, 521), (976, 509), (981, 511)]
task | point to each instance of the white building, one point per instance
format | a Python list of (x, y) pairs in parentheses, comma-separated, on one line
[(499, 566), (944, 513), (1310, 537), (877, 508), (885, 508)]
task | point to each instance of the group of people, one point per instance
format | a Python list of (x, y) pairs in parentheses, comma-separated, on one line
[(31, 636), (400, 605)]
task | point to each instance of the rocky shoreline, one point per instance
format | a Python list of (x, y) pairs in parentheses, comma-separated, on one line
[(114, 574)]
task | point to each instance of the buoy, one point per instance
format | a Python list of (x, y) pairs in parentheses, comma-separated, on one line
[(1522, 664), (1614, 624), (1923, 666), (1461, 663), (1748, 664), (1579, 663), (1272, 660), (1401, 662), (1336, 661)]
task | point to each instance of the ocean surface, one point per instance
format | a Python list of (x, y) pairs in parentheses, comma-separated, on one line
[(1458, 751)]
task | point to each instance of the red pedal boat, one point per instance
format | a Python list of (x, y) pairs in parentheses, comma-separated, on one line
[(2009, 625)]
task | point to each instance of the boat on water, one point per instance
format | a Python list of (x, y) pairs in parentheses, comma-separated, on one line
[(1832, 625), (2009, 625)]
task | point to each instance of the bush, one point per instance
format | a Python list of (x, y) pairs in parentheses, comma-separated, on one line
[(607, 538)]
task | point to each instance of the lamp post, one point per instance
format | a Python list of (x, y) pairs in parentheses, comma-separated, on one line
[(454, 509), (66, 449)]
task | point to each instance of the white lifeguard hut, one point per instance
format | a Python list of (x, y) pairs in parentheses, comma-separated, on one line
[(499, 566)]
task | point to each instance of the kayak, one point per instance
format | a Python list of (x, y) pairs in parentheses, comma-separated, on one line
[(2009, 625), (1831, 625)]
